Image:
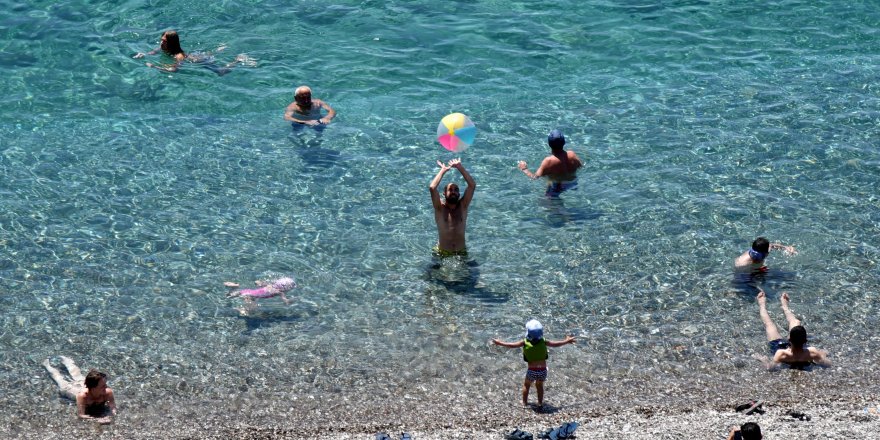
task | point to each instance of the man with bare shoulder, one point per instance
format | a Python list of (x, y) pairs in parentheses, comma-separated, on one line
[(94, 399), (560, 167), (752, 260), (451, 212), (793, 351), (305, 110)]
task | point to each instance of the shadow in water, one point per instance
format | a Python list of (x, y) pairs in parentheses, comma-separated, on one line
[(747, 284), (461, 276), (307, 142), (557, 215), (262, 317)]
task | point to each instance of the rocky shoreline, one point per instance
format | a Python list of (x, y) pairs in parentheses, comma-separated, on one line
[(831, 419)]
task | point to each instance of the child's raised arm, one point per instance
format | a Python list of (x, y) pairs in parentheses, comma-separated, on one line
[(516, 344)]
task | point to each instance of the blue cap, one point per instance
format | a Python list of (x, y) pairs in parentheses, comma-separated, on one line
[(556, 139), (534, 330), (757, 256)]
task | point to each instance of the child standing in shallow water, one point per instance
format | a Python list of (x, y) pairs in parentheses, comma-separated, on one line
[(534, 348)]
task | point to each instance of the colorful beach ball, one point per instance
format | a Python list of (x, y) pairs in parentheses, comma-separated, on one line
[(456, 132)]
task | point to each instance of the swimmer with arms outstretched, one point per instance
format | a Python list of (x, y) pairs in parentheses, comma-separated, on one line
[(793, 351), (560, 167), (307, 111), (265, 289), (170, 45), (752, 260), (451, 212)]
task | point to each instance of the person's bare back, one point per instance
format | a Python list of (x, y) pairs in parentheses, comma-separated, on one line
[(559, 166)]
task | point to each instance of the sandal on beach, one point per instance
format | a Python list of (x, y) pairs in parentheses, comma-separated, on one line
[(516, 434), (405, 436), (382, 436), (800, 416), (753, 406), (565, 431)]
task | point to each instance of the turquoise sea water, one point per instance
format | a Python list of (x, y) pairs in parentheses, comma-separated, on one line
[(129, 195)]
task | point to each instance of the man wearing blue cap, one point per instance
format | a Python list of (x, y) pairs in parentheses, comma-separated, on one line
[(560, 166), (752, 260)]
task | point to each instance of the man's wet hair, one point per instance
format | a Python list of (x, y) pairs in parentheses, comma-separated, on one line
[(797, 336), (94, 378), (750, 431), (761, 245)]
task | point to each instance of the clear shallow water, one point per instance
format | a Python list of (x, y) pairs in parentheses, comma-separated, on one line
[(129, 196)]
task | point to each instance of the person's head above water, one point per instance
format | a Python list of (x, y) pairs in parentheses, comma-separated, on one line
[(750, 431), (760, 249), (452, 193), (171, 43), (303, 95), (556, 140), (284, 284), (534, 330), (797, 336), (94, 379)]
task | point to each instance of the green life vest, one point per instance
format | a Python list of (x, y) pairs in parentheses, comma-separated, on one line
[(535, 351)]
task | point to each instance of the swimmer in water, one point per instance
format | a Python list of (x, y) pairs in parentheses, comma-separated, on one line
[(265, 290), (94, 399), (793, 351), (451, 211), (560, 167), (752, 260), (305, 110), (170, 46)]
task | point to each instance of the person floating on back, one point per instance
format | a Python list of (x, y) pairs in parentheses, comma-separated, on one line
[(266, 289), (535, 353), (792, 352), (560, 167), (752, 260), (94, 399)]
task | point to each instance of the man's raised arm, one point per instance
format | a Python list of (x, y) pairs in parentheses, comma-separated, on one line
[(435, 196), (471, 184)]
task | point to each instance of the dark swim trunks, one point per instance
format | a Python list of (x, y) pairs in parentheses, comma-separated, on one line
[(777, 344), (555, 189)]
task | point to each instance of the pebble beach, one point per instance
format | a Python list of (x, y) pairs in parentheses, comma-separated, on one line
[(129, 195)]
